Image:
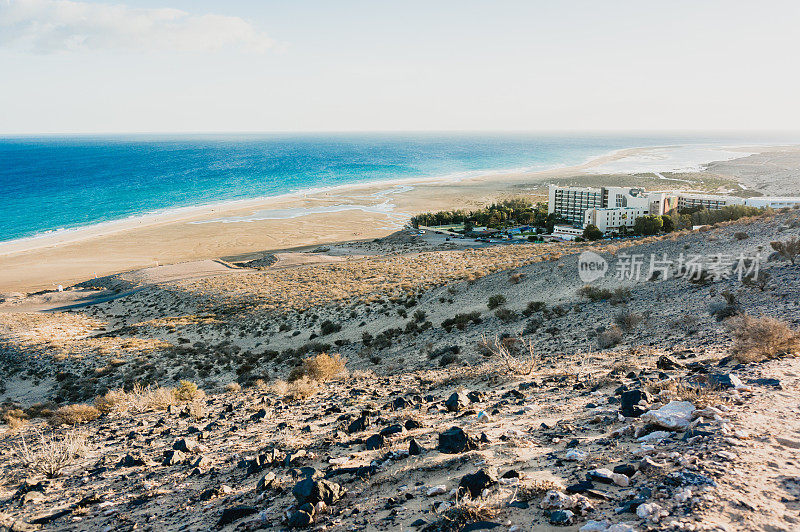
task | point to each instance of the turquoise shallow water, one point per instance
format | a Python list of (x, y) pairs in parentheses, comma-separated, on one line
[(56, 183)]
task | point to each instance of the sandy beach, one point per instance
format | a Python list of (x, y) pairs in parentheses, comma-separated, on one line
[(352, 212)]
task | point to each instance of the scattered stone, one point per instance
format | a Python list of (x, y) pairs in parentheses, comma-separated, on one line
[(668, 363), (266, 482), (414, 448), (607, 476), (392, 429), (374, 442), (313, 491), (302, 517), (130, 460), (562, 517), (457, 402), (454, 440), (475, 483), (657, 435), (674, 416), (625, 469), (476, 396), (651, 512), (576, 456), (436, 490), (724, 381), (186, 445), (173, 457), (555, 500), (630, 403), (231, 515), (359, 425)]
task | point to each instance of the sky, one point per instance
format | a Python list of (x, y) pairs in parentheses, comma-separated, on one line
[(312, 65)]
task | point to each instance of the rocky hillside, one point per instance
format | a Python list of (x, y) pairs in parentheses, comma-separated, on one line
[(482, 389)]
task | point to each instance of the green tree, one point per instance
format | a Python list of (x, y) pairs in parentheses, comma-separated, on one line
[(648, 225), (668, 224), (591, 232)]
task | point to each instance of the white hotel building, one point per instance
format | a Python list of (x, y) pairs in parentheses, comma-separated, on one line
[(611, 208)]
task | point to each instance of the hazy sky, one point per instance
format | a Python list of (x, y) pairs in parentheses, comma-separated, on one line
[(274, 65)]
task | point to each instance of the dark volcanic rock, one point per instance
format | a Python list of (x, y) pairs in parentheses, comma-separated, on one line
[(173, 457), (667, 362), (266, 482), (376, 441), (626, 469), (724, 381), (456, 402), (230, 515), (629, 403), (475, 483), (392, 429), (130, 460), (561, 517), (313, 491), (414, 448), (358, 425), (454, 440)]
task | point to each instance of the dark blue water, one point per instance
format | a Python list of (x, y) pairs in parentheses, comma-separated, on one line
[(56, 183)]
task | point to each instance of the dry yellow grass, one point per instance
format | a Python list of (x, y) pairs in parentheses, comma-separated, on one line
[(301, 389), (322, 367), (375, 277), (139, 399), (74, 414)]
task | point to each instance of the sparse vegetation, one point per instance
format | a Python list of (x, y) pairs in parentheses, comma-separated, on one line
[(187, 391), (49, 454), (627, 320), (321, 368), (517, 355), (460, 321), (74, 414), (506, 315), (789, 249), (609, 337), (762, 338), (495, 301), (594, 293)]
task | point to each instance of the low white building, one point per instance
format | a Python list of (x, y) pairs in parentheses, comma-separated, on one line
[(567, 232), (711, 202), (612, 219), (774, 202)]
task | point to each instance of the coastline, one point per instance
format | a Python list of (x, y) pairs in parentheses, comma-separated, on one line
[(190, 213), (233, 228)]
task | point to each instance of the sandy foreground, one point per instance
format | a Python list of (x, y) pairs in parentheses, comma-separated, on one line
[(243, 230)]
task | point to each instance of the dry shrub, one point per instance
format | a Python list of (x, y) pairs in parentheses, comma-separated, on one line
[(51, 455), (534, 488), (187, 391), (300, 389), (789, 250), (139, 399), (517, 354), (279, 388), (610, 337), (322, 367), (14, 418), (74, 414), (762, 338), (627, 320), (233, 387), (110, 401)]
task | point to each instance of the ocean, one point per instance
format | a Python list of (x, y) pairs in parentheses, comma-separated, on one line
[(60, 183)]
